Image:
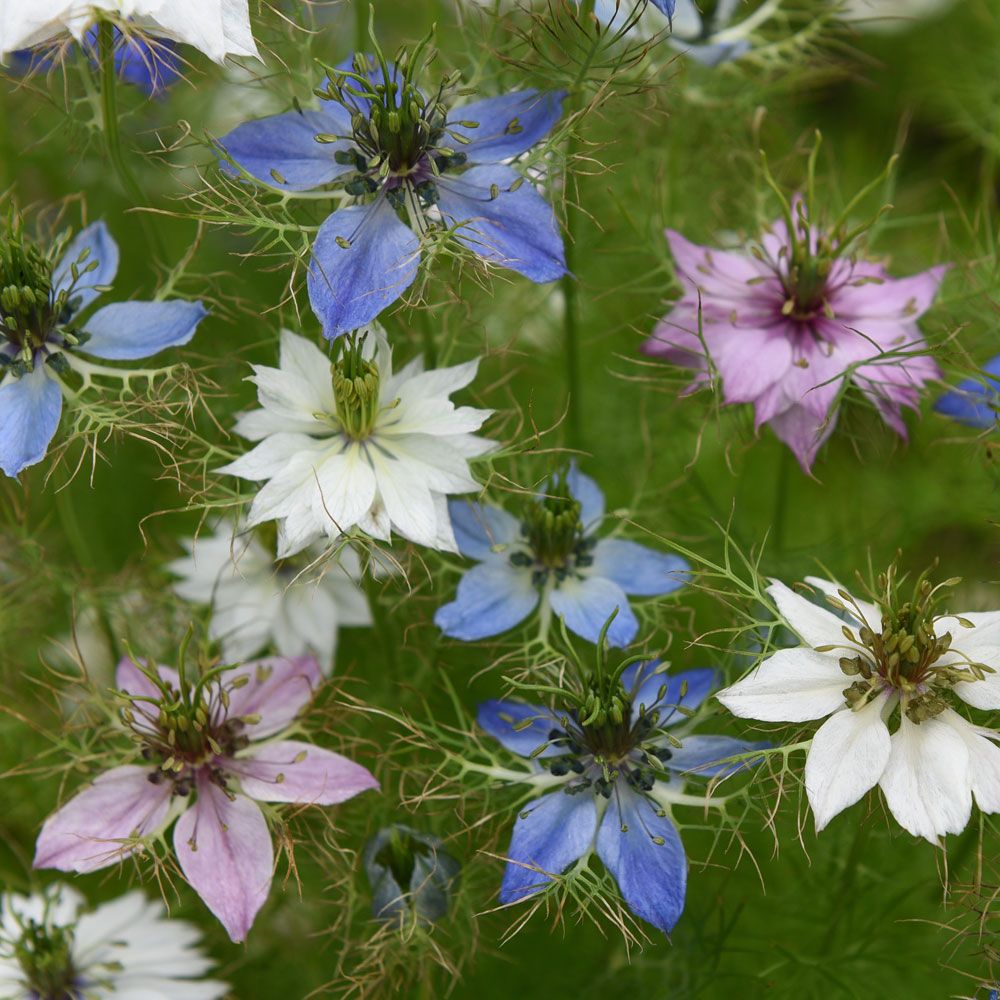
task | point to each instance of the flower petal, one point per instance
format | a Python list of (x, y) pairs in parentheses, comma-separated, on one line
[(491, 598), (699, 755), (814, 625), (224, 849), (984, 761), (550, 834), (864, 612), (979, 644), (92, 245), (278, 689), (532, 113), (650, 684), (589, 494), (124, 331), (30, 408), (98, 826), (638, 569), (586, 605), (974, 401), (479, 527), (520, 727)]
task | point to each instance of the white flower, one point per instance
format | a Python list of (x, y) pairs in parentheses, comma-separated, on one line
[(257, 601), (858, 669), (51, 945), (357, 446), (217, 27), (889, 15)]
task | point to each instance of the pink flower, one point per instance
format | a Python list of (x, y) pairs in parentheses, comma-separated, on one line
[(218, 740), (788, 325)]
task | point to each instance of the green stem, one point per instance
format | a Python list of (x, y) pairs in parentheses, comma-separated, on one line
[(72, 530), (361, 8), (781, 499), (380, 621)]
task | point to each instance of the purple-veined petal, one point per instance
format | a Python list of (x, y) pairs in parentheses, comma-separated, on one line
[(224, 849), (494, 139), (504, 220), (293, 771), (650, 684), (698, 756), (638, 569), (520, 727), (644, 853), (491, 598), (96, 828), (125, 331), (30, 408), (586, 605), (96, 242), (549, 835), (478, 527), (349, 285), (278, 689)]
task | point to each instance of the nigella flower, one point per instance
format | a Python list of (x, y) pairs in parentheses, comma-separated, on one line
[(209, 748), (552, 559), (787, 324), (708, 38), (897, 660), (617, 764), (54, 947), (44, 327), (412, 164), (216, 27), (258, 601), (974, 401), (354, 445)]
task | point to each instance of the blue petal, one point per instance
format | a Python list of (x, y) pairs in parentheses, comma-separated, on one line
[(282, 150), (550, 834), (492, 597), (98, 245), (478, 527), (586, 605), (490, 141), (699, 753), (349, 287), (651, 876), (974, 401), (374, 74), (151, 66), (637, 569), (508, 723), (124, 331), (30, 408), (649, 684), (589, 494), (516, 229), (665, 6)]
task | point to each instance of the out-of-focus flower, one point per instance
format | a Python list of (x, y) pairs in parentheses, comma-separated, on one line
[(221, 740), (53, 947), (890, 15), (357, 445), (552, 560), (900, 655), (974, 401)]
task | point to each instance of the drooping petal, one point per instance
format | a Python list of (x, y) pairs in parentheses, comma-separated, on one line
[(279, 687), (814, 625), (30, 408), (125, 331), (93, 245), (637, 569), (479, 527), (504, 220), (521, 728), (848, 756), (491, 598), (293, 771), (699, 755), (644, 853), (506, 126), (224, 849), (550, 834), (650, 683), (586, 605), (99, 825), (364, 258)]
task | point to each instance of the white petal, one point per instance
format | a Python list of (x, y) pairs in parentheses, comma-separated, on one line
[(870, 614), (984, 761), (814, 625), (271, 456), (980, 644)]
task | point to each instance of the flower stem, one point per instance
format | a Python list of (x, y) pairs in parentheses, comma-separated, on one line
[(361, 8), (379, 619), (72, 530)]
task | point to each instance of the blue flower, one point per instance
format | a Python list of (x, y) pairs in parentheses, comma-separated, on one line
[(42, 329), (705, 38), (552, 558), (975, 401), (615, 785), (409, 164)]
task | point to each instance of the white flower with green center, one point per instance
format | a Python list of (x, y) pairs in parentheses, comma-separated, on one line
[(351, 445), (871, 667)]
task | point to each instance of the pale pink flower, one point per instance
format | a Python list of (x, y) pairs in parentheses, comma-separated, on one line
[(209, 749)]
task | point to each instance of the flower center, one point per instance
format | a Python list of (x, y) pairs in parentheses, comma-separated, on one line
[(45, 955), (357, 387), (553, 536)]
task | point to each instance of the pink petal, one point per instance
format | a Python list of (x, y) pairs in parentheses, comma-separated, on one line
[(278, 689), (130, 679), (224, 849), (904, 299), (719, 274), (87, 833), (750, 361), (292, 771), (803, 432)]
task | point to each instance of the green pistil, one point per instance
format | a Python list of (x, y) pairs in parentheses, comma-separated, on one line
[(45, 955), (356, 389)]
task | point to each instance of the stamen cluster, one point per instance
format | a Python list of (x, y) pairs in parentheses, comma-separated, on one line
[(356, 389), (45, 955), (554, 538)]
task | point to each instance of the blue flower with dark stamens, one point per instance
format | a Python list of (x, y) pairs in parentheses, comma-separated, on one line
[(410, 163), (43, 329), (552, 559), (617, 772), (975, 401)]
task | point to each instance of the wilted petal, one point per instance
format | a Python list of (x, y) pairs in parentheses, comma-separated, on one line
[(491, 598), (30, 408), (637, 569), (278, 689), (125, 331)]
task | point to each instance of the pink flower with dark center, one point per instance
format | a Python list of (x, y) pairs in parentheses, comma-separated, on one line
[(788, 324), (209, 749)]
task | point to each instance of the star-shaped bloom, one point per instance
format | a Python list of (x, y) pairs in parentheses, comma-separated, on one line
[(614, 784), (436, 168), (974, 401), (216, 27), (210, 751), (356, 445), (52, 945), (44, 327), (786, 325), (890, 661), (258, 601), (554, 561)]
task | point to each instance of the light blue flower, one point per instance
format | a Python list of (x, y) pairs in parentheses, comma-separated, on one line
[(43, 331), (708, 39), (975, 401), (409, 163), (615, 783), (554, 560)]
